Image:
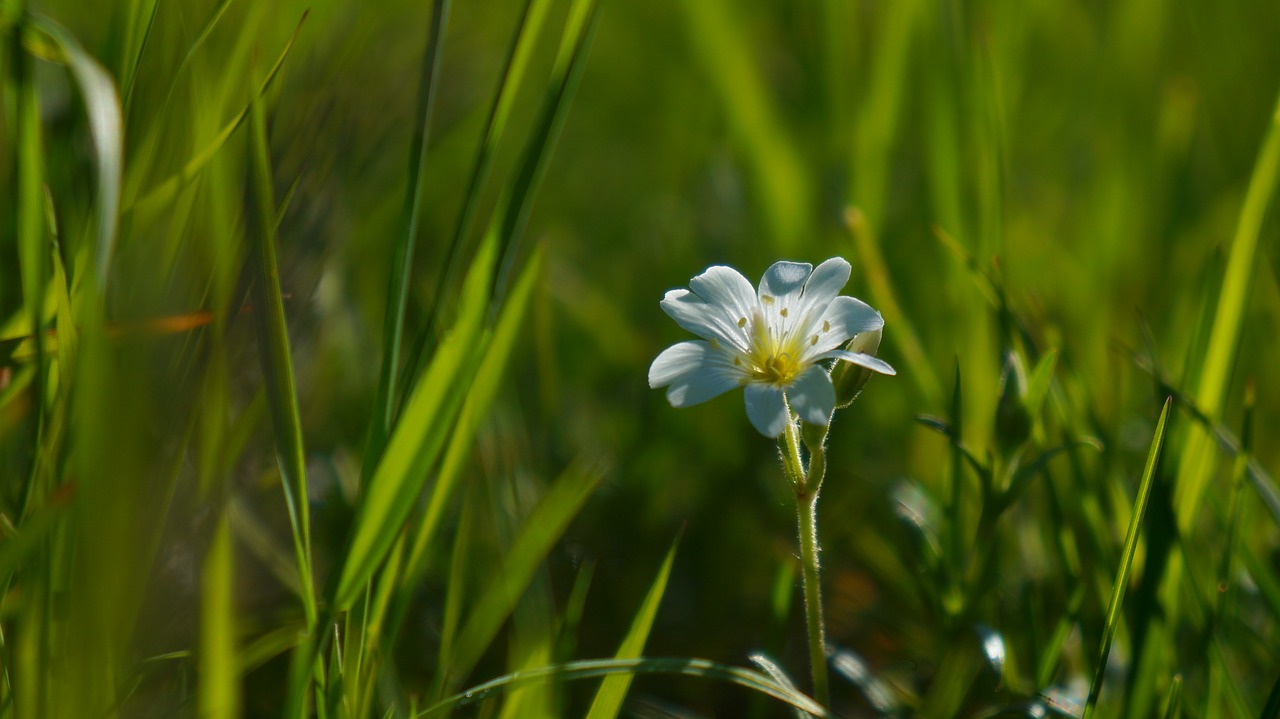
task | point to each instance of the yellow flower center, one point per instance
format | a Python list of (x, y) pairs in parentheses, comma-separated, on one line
[(772, 359)]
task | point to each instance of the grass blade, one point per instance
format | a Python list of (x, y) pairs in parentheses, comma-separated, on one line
[(276, 357), (219, 683), (513, 73), (488, 381), (541, 530), (106, 127), (402, 259), (1224, 340), (420, 434), (613, 690), (595, 668), (1126, 561), (163, 193)]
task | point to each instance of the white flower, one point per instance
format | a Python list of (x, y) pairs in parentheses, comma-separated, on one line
[(772, 342)]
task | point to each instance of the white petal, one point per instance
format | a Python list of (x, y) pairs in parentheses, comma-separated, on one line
[(709, 380), (843, 318), (766, 409), (812, 396), (875, 364), (826, 281), (719, 307), (784, 278), (676, 360), (781, 291)]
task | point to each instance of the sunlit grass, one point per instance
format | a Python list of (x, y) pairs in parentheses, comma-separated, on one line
[(323, 330)]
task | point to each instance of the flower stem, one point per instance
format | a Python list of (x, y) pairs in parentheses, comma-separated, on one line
[(806, 486)]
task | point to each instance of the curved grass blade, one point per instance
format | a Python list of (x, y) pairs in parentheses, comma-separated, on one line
[(771, 668), (613, 690), (276, 357), (106, 128), (1126, 561), (595, 668), (542, 529), (402, 258)]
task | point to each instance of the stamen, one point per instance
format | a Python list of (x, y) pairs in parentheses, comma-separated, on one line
[(826, 326), (783, 311), (767, 299), (742, 321), (814, 340)]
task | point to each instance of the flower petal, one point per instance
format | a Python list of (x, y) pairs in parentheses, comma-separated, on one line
[(784, 278), (676, 360), (871, 362), (719, 307), (826, 281), (812, 396), (695, 371), (843, 318), (766, 408), (781, 291)]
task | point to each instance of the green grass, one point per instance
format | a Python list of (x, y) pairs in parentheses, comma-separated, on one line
[(324, 330)]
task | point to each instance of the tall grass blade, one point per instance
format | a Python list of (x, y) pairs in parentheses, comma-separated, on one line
[(420, 434), (146, 207), (276, 357), (488, 380), (613, 690), (513, 75), (1126, 562), (595, 668), (1224, 340), (402, 257), (565, 73), (219, 694), (541, 530)]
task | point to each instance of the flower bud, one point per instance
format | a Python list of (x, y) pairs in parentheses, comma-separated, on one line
[(848, 377), (1013, 422)]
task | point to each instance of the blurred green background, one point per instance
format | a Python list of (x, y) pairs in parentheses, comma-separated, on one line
[(1005, 177)]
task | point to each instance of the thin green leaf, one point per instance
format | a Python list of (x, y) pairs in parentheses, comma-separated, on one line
[(276, 357), (420, 434), (513, 74), (1126, 561), (595, 668), (541, 530), (1224, 341), (163, 193), (613, 690), (402, 256), (219, 691), (102, 105)]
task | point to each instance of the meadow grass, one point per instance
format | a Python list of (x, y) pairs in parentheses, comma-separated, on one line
[(324, 327)]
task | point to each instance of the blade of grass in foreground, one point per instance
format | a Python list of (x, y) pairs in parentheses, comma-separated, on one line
[(613, 689), (1224, 342), (219, 683), (595, 668), (277, 362), (1126, 562), (146, 207), (105, 127)]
